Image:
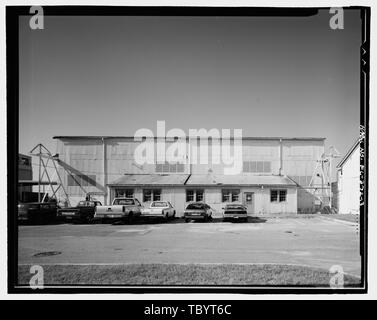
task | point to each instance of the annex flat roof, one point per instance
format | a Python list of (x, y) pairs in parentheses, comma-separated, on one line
[(243, 138), (150, 179), (239, 180)]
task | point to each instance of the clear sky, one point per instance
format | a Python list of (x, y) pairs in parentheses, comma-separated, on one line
[(277, 76)]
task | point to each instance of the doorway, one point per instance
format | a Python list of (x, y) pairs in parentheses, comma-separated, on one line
[(248, 201)]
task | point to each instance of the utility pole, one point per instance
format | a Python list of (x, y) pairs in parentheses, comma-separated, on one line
[(332, 154)]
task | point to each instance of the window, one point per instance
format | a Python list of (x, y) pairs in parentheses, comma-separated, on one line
[(282, 195), (24, 161), (125, 202), (151, 195), (278, 195), (147, 195), (196, 206), (194, 195), (199, 195), (257, 166), (235, 195), (231, 195), (190, 195), (124, 193), (81, 180), (160, 204), (169, 167)]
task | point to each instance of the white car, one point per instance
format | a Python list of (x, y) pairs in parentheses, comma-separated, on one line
[(159, 209)]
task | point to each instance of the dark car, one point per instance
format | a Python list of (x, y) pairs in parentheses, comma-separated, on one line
[(37, 212), (235, 211), (198, 211), (83, 212)]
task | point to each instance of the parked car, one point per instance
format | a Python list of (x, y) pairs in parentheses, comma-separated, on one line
[(159, 209), (235, 211), (83, 212), (126, 209), (37, 212), (198, 211)]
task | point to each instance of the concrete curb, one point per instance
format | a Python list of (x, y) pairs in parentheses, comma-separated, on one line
[(350, 223)]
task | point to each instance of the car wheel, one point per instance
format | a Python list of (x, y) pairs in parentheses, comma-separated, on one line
[(187, 220), (173, 217)]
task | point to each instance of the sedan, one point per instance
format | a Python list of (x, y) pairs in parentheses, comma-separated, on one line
[(235, 211), (198, 211), (159, 209)]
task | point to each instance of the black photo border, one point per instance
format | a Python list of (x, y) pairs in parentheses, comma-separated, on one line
[(12, 82)]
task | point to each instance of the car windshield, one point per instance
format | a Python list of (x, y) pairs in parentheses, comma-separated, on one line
[(159, 204), (235, 206), (123, 202), (194, 206)]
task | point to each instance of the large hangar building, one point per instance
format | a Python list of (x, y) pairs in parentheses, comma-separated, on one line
[(278, 174)]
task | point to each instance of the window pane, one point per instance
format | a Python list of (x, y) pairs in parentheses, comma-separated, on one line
[(225, 196), (274, 195), (129, 193), (199, 195), (147, 195), (180, 167), (235, 195), (246, 166), (259, 166), (172, 167), (156, 195), (282, 195), (159, 167), (165, 167), (189, 195)]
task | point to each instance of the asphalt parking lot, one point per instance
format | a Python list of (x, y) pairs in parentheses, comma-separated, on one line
[(315, 242)]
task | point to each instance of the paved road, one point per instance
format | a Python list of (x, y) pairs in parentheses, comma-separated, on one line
[(316, 242)]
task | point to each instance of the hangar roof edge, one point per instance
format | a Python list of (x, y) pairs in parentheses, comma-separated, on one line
[(243, 138)]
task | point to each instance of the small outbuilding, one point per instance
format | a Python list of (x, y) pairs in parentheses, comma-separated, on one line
[(348, 196)]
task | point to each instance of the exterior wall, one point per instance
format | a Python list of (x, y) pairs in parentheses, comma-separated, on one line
[(300, 161), (82, 157), (348, 184), (213, 196), (104, 161)]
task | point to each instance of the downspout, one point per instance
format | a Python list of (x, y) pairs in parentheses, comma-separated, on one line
[(104, 169), (281, 156)]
